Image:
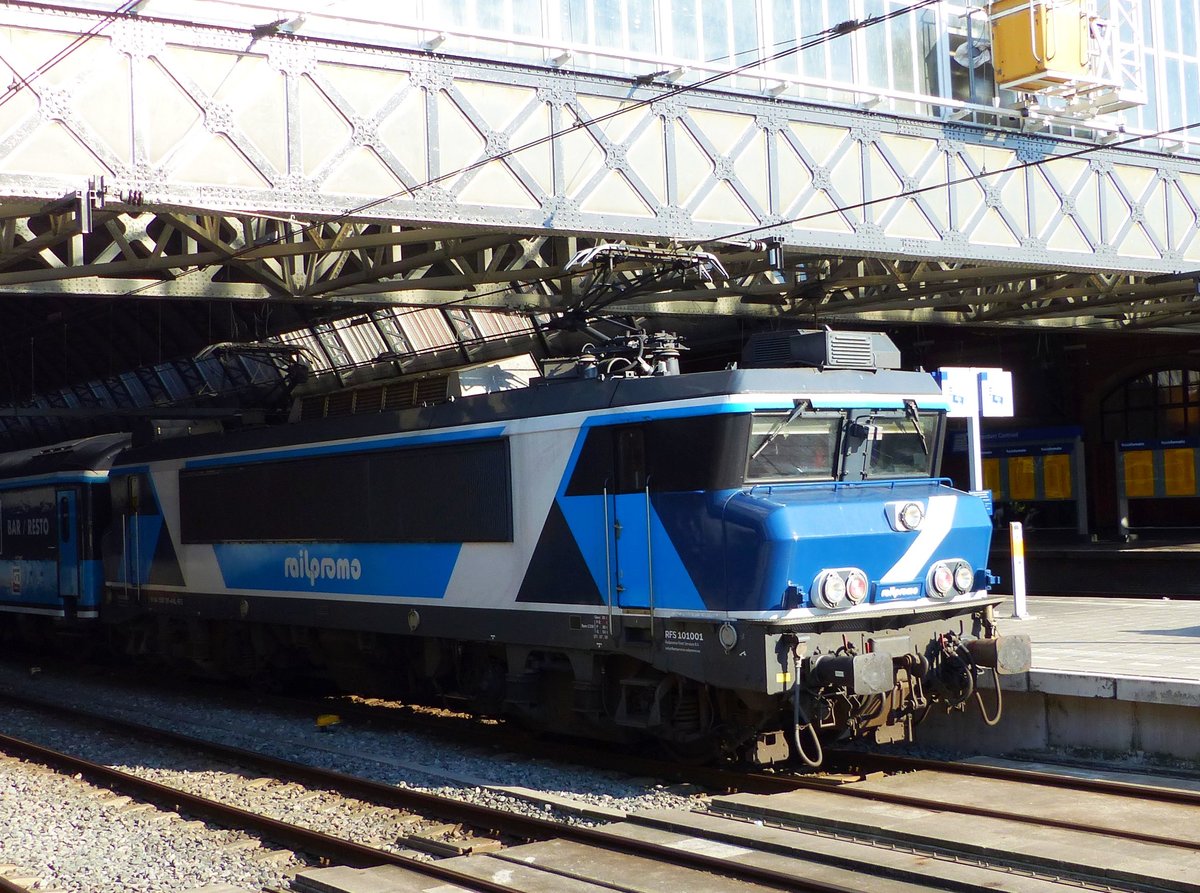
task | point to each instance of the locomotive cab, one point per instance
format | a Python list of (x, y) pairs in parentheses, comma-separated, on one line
[(839, 577)]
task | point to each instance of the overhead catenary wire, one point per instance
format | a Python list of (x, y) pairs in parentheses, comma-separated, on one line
[(828, 34), (838, 30), (739, 234), (820, 37)]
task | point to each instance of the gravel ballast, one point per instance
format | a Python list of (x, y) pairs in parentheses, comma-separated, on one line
[(70, 835), (403, 758)]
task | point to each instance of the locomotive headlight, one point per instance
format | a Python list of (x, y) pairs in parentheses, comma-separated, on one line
[(964, 577), (904, 516), (856, 586), (831, 588), (911, 515), (940, 580)]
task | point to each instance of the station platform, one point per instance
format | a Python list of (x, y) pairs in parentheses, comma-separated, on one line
[(1111, 638), (1119, 675), (1141, 568)]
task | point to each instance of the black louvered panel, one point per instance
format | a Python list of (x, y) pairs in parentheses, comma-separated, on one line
[(400, 395), (312, 408), (340, 403), (432, 390), (368, 400)]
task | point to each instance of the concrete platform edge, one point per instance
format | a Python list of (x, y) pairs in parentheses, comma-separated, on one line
[(1082, 684), (1040, 719)]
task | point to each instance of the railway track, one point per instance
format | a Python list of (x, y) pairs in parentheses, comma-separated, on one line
[(617, 843), (833, 846), (1068, 776), (842, 766)]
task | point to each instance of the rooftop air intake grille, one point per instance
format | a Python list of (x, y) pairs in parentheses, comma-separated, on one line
[(851, 350), (821, 349), (377, 398), (773, 352)]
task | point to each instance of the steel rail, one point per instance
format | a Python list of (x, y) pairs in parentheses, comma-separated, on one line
[(986, 812), (1030, 776), (293, 836), (748, 781), (716, 778), (502, 821), (527, 827)]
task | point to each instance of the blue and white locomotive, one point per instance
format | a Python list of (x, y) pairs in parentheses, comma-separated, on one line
[(747, 561)]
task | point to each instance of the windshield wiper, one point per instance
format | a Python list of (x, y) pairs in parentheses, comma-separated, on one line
[(910, 410), (801, 405)]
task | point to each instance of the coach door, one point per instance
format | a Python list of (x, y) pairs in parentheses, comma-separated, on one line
[(68, 544), (633, 562), (131, 538)]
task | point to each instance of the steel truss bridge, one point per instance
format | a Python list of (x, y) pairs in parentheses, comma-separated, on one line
[(152, 160)]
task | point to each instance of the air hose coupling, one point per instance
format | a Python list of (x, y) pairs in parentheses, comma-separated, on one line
[(858, 674), (1004, 654)]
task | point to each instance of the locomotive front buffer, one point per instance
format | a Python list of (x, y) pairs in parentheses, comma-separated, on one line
[(884, 686)]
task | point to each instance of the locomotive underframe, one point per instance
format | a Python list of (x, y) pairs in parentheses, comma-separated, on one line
[(621, 676)]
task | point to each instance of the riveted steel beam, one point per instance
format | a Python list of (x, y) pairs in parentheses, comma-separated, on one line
[(259, 168), (202, 118)]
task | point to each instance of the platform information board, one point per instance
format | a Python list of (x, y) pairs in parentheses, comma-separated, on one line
[(1156, 469), (1042, 466), (1159, 469), (974, 393)]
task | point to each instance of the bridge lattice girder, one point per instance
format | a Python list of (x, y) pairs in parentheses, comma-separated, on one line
[(327, 174)]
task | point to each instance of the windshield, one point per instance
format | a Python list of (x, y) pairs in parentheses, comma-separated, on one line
[(802, 448), (899, 448), (851, 445)]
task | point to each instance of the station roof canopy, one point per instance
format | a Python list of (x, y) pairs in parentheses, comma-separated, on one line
[(168, 183)]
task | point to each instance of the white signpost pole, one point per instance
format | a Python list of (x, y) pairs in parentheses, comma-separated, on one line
[(975, 446), (1017, 538), (995, 399), (975, 394)]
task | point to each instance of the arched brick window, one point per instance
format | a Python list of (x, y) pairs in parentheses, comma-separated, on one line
[(1157, 405)]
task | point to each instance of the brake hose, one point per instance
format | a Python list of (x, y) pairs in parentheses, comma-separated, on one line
[(994, 719), (797, 714), (972, 671)]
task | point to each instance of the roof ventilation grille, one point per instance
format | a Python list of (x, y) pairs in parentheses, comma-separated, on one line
[(823, 349)]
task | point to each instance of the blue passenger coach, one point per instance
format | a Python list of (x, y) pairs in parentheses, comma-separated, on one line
[(54, 506)]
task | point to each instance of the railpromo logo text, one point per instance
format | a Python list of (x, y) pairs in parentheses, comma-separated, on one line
[(313, 568)]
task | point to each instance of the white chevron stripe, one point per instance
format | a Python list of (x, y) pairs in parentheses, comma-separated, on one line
[(939, 516)]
